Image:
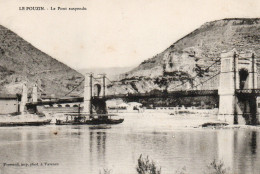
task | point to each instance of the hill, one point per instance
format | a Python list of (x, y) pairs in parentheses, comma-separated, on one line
[(111, 73), (189, 57), (20, 61)]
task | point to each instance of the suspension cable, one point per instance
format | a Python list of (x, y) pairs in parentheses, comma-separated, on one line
[(75, 87), (207, 79), (109, 79), (216, 61)]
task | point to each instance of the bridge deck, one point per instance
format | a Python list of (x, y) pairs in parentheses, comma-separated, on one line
[(56, 101), (184, 93), (248, 92)]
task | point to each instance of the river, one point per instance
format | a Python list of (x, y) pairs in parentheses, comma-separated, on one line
[(171, 142)]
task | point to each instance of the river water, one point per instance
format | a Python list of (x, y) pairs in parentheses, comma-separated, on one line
[(170, 141)]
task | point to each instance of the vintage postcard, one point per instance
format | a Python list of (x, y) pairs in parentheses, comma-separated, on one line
[(129, 87)]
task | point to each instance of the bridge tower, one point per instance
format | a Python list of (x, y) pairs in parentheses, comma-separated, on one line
[(94, 87), (24, 98), (88, 93), (35, 93), (103, 83), (238, 73)]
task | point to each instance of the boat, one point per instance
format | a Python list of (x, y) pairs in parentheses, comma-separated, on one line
[(81, 120), (101, 126), (104, 121), (95, 121), (25, 123)]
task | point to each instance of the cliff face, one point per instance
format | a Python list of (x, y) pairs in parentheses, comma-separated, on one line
[(20, 62), (190, 56)]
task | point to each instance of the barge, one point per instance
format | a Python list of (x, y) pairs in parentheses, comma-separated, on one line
[(89, 119)]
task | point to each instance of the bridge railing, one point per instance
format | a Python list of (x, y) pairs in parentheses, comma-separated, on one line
[(182, 93), (248, 91), (166, 94)]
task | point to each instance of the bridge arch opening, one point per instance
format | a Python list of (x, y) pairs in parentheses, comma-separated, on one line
[(97, 90), (243, 76)]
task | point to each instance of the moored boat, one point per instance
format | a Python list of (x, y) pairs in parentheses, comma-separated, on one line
[(104, 121), (81, 120), (90, 122), (25, 123)]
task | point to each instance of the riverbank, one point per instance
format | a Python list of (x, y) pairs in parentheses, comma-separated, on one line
[(185, 121), (22, 118)]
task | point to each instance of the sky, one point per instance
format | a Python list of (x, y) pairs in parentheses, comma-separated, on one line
[(114, 33)]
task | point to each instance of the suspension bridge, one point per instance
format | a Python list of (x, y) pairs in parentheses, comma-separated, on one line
[(236, 89)]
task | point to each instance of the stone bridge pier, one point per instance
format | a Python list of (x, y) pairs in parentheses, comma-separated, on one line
[(238, 80)]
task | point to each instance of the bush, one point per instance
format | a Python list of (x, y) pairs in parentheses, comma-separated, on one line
[(216, 167), (105, 171), (145, 166)]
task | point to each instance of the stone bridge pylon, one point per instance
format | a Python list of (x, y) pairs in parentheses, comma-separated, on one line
[(238, 81), (94, 87)]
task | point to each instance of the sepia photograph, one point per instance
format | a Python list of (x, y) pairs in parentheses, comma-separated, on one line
[(129, 87)]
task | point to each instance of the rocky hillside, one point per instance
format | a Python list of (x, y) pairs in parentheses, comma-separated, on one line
[(20, 62), (112, 73), (184, 64)]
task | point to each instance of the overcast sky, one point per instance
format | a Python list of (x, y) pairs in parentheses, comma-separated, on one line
[(114, 33)]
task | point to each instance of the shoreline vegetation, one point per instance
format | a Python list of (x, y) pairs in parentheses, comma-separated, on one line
[(145, 165)]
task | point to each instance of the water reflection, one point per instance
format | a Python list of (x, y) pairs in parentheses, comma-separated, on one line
[(238, 150), (253, 142), (81, 150), (226, 146)]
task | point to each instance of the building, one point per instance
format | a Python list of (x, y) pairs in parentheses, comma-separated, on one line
[(9, 104)]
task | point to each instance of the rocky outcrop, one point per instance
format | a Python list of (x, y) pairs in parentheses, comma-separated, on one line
[(185, 63)]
